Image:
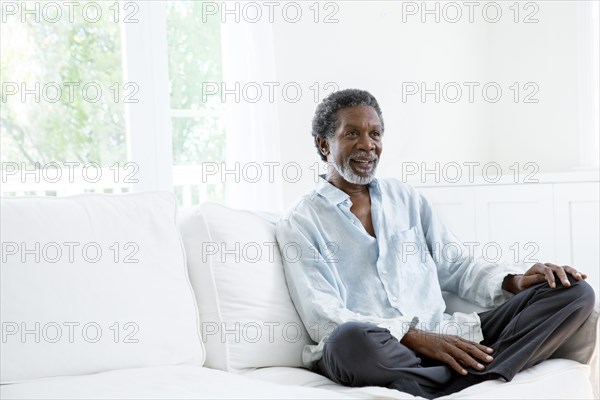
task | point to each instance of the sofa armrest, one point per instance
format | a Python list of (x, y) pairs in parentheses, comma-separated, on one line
[(595, 361), (582, 346)]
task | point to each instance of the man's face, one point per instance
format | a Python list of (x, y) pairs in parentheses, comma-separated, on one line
[(356, 145)]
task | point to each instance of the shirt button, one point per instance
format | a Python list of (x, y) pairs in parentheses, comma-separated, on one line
[(394, 299), (384, 272)]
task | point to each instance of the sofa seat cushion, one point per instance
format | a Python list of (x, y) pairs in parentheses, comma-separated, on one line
[(165, 382), (552, 379)]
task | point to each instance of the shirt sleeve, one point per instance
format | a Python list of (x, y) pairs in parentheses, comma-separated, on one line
[(315, 287), (459, 270)]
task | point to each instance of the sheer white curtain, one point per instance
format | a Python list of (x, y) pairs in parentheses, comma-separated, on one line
[(252, 132)]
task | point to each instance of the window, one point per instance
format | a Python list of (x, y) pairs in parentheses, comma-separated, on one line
[(62, 117), (194, 48), (85, 103)]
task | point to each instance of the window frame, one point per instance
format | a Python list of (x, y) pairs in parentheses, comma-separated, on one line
[(148, 122)]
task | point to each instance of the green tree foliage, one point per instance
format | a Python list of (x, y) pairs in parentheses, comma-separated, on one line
[(81, 53), (194, 59), (62, 52)]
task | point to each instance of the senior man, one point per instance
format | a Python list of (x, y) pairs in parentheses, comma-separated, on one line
[(375, 309)]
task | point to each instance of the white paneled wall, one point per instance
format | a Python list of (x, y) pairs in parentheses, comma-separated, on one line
[(549, 221), (577, 235), (518, 218)]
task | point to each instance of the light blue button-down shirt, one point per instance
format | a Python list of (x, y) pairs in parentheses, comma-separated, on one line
[(336, 272)]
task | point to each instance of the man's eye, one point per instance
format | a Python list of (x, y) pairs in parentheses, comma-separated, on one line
[(352, 133)]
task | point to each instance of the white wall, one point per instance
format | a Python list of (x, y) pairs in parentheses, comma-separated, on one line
[(371, 48), (546, 53)]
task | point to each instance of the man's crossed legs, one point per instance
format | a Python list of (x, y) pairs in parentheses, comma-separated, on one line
[(523, 332)]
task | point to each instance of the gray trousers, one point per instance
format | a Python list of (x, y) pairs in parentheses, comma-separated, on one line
[(523, 332)]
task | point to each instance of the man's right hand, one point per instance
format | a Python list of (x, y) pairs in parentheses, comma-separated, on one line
[(455, 351)]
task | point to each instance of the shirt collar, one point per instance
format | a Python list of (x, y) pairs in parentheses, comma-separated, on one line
[(335, 195)]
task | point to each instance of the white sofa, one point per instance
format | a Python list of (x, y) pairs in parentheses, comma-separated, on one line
[(122, 296)]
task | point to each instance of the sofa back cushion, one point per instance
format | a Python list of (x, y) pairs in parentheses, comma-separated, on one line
[(93, 283), (247, 318)]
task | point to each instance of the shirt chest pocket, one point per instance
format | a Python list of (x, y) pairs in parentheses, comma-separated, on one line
[(416, 272), (411, 252)]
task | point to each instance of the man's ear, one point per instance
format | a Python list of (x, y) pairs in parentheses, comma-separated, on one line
[(323, 144)]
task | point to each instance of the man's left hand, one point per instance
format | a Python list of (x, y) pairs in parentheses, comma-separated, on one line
[(539, 273)]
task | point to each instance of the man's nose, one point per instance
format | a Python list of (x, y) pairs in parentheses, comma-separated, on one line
[(365, 142)]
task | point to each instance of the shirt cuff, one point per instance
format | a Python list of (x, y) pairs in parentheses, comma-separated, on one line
[(499, 295)]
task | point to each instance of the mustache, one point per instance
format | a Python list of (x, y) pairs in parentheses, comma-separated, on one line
[(365, 154)]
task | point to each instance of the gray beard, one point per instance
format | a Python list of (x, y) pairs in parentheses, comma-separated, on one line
[(346, 172)]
